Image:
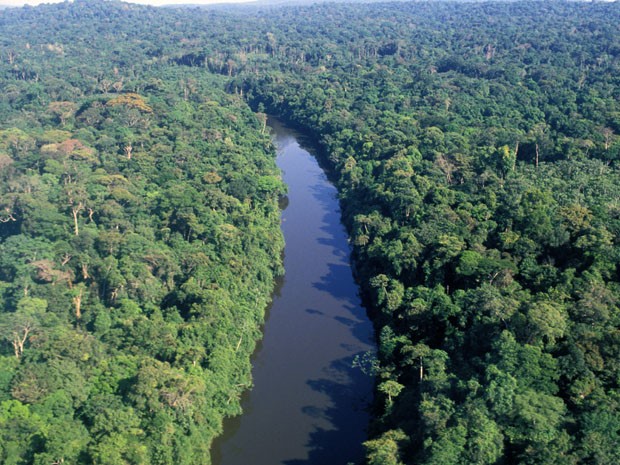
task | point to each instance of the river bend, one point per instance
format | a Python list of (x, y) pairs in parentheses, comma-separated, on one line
[(308, 405)]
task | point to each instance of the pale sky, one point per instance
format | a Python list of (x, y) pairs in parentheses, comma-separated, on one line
[(144, 2)]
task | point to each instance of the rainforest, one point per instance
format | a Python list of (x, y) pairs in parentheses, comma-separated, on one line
[(475, 149)]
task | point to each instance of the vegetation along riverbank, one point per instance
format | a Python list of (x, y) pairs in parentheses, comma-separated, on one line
[(475, 149)]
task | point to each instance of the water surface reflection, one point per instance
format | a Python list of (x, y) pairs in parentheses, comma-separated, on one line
[(308, 405)]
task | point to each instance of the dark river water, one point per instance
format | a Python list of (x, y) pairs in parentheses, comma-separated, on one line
[(308, 405)]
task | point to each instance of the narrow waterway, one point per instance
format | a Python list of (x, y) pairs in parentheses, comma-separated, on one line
[(308, 405)]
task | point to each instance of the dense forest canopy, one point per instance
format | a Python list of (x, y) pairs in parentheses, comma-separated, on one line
[(139, 241), (476, 151), (475, 148)]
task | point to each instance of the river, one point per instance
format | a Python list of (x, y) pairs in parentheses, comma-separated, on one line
[(308, 405)]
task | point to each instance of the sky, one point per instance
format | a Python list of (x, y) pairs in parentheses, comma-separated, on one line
[(145, 2)]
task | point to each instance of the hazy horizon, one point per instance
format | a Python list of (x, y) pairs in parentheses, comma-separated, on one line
[(143, 2)]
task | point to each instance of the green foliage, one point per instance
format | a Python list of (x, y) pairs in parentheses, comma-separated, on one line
[(479, 188), (475, 148), (385, 450), (139, 240)]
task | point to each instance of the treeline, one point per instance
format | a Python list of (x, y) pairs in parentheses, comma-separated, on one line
[(476, 148), (139, 242)]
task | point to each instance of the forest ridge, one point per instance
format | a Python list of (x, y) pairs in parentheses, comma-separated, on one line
[(475, 148)]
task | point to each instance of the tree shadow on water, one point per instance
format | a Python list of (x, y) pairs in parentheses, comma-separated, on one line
[(331, 223), (361, 330), (350, 394), (339, 283)]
